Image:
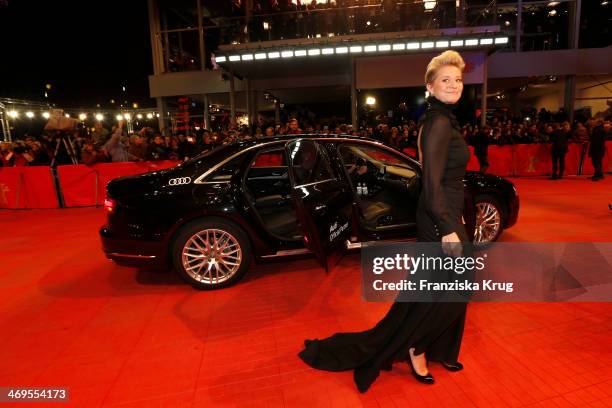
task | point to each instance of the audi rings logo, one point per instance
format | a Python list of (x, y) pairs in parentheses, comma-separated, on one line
[(179, 181)]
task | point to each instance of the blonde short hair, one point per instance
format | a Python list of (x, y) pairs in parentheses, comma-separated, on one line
[(446, 58)]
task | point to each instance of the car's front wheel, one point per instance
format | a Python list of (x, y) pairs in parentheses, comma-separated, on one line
[(211, 253), (489, 220)]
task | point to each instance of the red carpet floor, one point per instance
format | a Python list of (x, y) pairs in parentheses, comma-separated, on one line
[(122, 337)]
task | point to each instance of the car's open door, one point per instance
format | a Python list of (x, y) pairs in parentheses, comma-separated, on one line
[(323, 201)]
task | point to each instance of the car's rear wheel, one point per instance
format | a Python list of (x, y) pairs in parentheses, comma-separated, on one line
[(211, 253), (489, 220)]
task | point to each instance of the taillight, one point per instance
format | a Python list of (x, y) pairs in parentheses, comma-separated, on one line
[(109, 204)]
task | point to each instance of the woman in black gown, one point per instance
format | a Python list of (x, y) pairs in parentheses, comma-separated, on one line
[(412, 331)]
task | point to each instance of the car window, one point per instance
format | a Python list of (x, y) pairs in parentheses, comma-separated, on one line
[(309, 162), (361, 158)]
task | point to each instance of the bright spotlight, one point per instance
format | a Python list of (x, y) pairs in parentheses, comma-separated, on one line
[(371, 101), (99, 117), (46, 115), (149, 116), (30, 114), (139, 116), (67, 115), (429, 5), (82, 116), (13, 114), (119, 117), (127, 116)]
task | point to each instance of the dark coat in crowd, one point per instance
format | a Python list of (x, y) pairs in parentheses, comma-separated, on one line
[(597, 149), (560, 140), (481, 144)]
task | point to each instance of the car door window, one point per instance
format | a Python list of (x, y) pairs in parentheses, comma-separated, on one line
[(309, 163)]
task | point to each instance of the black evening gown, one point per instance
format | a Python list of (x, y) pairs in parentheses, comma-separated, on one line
[(434, 328)]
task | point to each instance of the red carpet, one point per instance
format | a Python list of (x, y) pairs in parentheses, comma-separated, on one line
[(119, 336)]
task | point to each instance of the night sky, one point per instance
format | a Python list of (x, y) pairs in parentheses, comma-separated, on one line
[(86, 53)]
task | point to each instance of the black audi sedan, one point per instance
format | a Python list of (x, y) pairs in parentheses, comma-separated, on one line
[(212, 215)]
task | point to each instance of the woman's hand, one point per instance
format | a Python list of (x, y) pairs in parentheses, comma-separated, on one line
[(451, 245)]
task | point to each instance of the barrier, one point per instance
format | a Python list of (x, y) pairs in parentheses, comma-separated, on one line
[(83, 185), (27, 187)]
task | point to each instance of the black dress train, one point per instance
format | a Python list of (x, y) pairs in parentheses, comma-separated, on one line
[(434, 328)]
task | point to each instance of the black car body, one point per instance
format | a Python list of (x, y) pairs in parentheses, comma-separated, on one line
[(280, 196)]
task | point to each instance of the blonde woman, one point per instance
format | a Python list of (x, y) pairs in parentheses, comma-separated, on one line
[(411, 331)]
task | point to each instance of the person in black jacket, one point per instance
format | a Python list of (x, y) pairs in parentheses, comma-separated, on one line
[(559, 150), (597, 149), (481, 148)]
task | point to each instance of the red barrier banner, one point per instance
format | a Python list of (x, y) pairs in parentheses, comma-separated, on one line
[(532, 159), (83, 185), (27, 187), (500, 161), (473, 163), (572, 159), (587, 166)]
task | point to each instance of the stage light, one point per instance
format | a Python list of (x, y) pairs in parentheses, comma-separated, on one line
[(315, 51), (149, 116), (486, 41), (413, 46), (427, 44), (399, 47), (234, 58), (99, 117), (369, 48), (67, 115), (220, 58), (82, 116), (30, 114), (46, 115), (287, 54), (429, 5), (553, 3), (327, 51), (341, 50), (456, 43), (266, 25), (442, 44), (13, 114), (300, 53), (371, 101), (552, 13), (368, 23), (119, 117), (273, 55), (356, 49), (247, 57), (501, 40), (139, 116), (127, 116), (507, 23), (472, 41), (260, 56), (157, 114), (384, 47)]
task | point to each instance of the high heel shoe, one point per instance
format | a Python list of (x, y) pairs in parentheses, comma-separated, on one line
[(425, 379), (452, 366)]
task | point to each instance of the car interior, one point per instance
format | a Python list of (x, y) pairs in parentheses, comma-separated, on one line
[(385, 186)]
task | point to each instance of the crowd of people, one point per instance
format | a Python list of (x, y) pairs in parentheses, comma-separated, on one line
[(90, 146)]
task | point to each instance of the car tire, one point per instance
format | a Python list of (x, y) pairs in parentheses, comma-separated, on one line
[(218, 264), (490, 218)]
